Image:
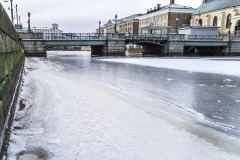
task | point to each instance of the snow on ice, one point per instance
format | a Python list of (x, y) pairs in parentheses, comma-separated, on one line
[(73, 118), (227, 66)]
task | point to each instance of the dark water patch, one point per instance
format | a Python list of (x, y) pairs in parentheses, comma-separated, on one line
[(33, 154)]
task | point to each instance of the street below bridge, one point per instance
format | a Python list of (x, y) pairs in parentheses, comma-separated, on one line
[(84, 108)]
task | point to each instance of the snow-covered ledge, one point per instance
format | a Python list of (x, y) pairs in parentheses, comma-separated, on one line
[(199, 30)]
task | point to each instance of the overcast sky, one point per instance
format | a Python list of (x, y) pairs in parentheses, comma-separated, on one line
[(83, 15)]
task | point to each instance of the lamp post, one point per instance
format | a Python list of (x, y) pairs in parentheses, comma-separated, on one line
[(229, 31), (99, 30), (29, 28), (11, 10), (177, 19), (115, 26), (17, 13)]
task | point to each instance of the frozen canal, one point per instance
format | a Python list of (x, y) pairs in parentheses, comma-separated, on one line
[(83, 108)]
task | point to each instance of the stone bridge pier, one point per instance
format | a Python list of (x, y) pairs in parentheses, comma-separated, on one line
[(174, 46), (33, 44), (115, 46)]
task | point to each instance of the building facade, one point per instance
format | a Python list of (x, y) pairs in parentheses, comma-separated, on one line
[(173, 15), (49, 33), (224, 14), (129, 25), (109, 27)]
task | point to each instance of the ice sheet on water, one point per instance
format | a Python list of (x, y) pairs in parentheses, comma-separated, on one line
[(206, 65)]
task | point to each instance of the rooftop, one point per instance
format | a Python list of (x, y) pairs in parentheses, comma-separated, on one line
[(216, 5)]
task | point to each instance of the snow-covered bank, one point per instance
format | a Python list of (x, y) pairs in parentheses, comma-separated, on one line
[(228, 66), (75, 118)]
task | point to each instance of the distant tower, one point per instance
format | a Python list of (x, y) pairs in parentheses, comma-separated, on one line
[(55, 26), (172, 2), (206, 1)]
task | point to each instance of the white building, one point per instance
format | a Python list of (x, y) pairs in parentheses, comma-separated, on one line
[(48, 33)]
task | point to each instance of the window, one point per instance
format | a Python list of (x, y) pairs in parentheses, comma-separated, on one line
[(200, 22), (215, 19), (229, 21)]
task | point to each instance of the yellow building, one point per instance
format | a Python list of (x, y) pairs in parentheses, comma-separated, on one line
[(221, 13)]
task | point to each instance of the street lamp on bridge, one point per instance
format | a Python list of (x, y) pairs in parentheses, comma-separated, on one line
[(229, 31), (115, 25), (99, 30), (29, 28), (177, 19), (11, 8)]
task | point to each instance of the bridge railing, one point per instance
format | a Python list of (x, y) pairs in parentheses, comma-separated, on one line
[(147, 37), (207, 38), (77, 36)]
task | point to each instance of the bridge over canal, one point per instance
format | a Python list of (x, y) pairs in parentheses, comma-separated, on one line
[(153, 44)]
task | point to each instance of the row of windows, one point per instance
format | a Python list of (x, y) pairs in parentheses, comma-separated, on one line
[(155, 24), (215, 21), (160, 18), (128, 29)]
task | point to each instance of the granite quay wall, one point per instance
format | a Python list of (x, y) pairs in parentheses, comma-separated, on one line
[(173, 47), (115, 46), (233, 48), (33, 44), (11, 64)]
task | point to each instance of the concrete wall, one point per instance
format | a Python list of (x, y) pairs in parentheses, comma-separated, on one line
[(11, 63)]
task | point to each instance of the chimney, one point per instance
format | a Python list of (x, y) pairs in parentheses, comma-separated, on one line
[(147, 11), (172, 2), (158, 6)]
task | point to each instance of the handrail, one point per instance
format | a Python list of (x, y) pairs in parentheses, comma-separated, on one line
[(206, 38), (138, 37), (76, 36), (147, 37)]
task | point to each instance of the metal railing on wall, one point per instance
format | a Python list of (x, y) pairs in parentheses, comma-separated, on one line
[(208, 38), (139, 37), (76, 36), (147, 37)]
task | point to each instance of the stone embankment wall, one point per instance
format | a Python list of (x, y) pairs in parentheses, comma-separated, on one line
[(11, 64)]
